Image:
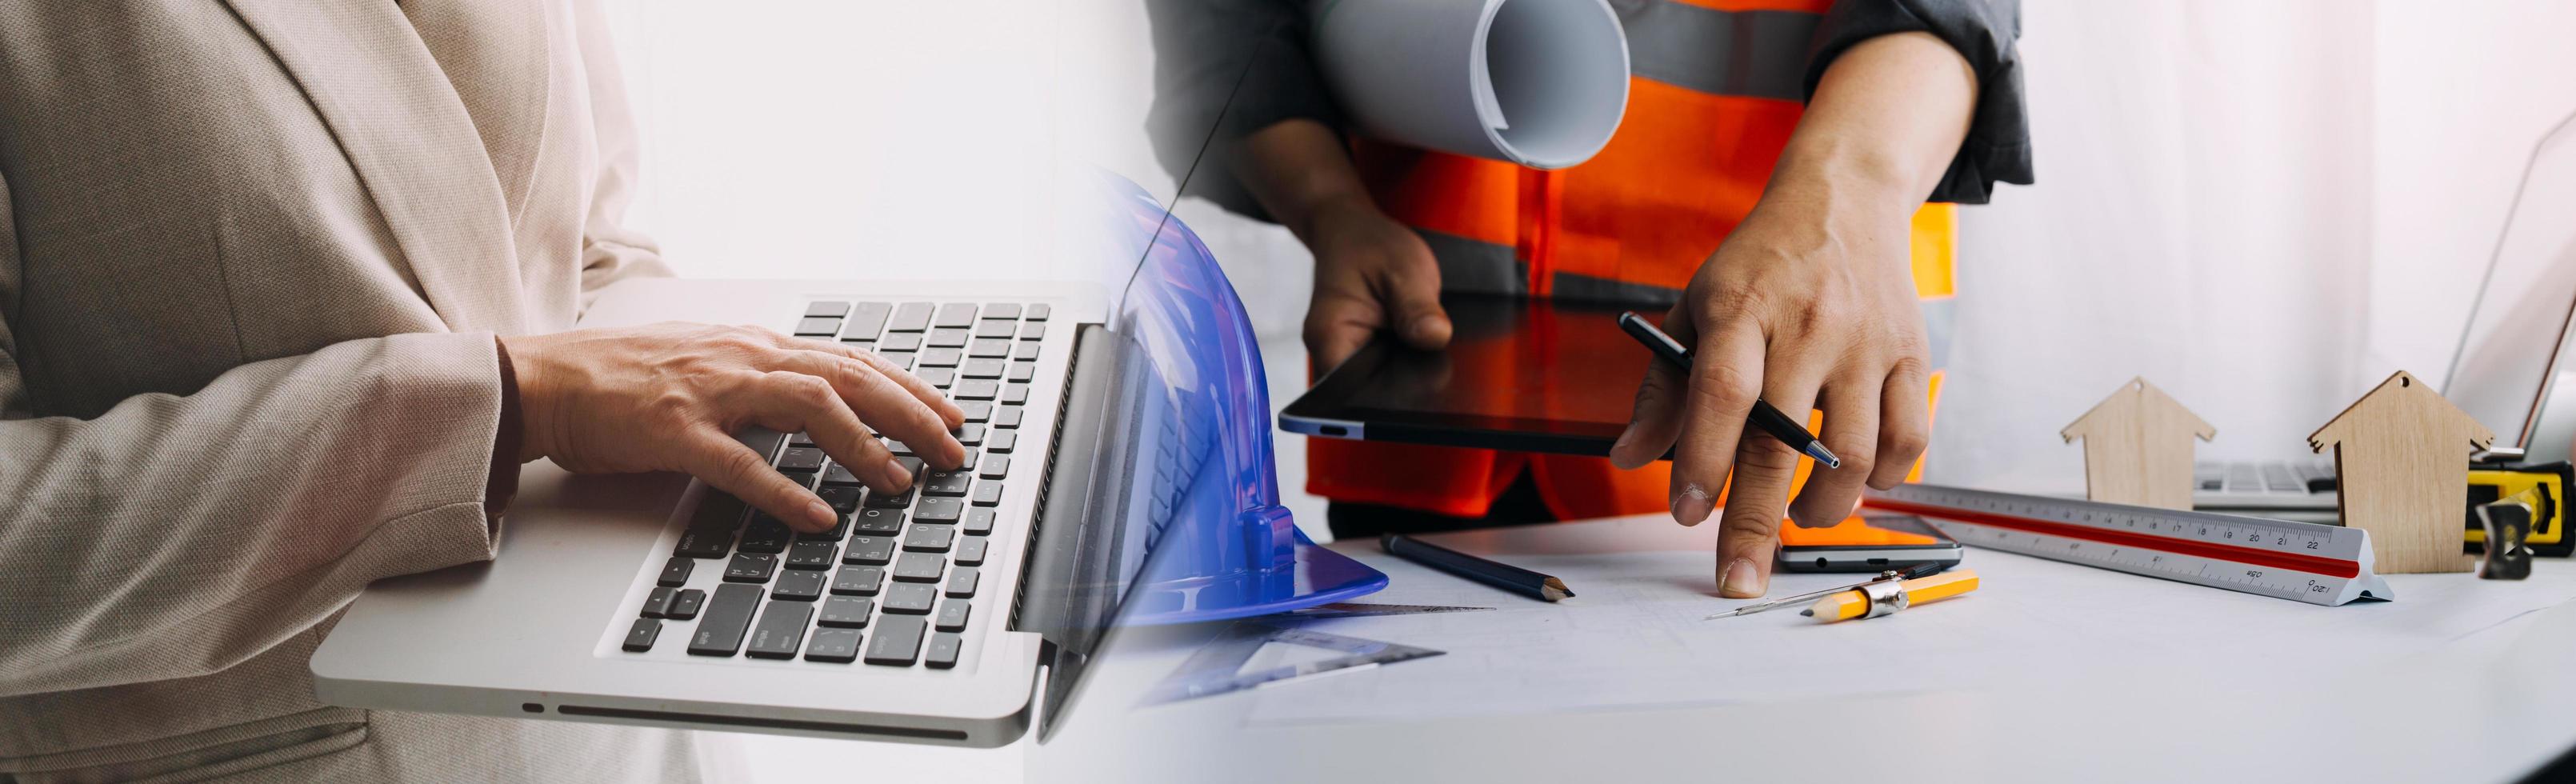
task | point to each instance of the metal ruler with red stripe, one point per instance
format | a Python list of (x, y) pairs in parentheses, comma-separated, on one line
[(2308, 562)]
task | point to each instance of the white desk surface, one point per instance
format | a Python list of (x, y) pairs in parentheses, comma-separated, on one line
[(2488, 704)]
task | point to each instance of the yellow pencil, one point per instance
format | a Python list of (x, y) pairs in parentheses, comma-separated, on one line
[(1854, 604)]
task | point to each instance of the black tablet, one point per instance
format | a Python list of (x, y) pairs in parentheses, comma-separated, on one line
[(1519, 374)]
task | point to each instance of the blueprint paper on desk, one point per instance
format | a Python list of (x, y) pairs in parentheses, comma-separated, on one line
[(1634, 637)]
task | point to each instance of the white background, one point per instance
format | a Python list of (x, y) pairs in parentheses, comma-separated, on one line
[(2262, 207)]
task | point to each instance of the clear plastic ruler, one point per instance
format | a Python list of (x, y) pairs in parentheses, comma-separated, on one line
[(1217, 668), (2308, 562)]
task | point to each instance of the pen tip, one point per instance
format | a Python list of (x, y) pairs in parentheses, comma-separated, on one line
[(1817, 450)]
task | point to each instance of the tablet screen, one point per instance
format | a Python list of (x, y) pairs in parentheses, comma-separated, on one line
[(1527, 375)]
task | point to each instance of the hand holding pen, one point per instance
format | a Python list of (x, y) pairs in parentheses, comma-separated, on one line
[(1727, 406)]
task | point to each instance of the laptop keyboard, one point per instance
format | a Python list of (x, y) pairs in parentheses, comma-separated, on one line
[(894, 585), (2268, 476)]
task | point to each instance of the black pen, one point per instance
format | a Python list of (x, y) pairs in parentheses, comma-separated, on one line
[(1770, 419)]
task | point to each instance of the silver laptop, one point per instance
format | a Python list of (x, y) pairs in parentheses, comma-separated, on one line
[(2513, 370), (652, 599)]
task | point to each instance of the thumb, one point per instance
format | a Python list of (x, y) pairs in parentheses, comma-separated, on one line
[(1412, 294)]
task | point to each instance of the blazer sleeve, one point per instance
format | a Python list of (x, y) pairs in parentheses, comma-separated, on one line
[(175, 536), (610, 251), (1997, 148), (1204, 49)]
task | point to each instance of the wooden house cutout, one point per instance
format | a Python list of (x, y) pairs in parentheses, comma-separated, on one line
[(2137, 447), (2402, 471)]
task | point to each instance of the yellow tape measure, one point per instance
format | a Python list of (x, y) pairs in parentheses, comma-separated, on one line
[(2547, 482)]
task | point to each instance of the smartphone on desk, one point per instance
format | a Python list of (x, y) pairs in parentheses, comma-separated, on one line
[(1871, 541)]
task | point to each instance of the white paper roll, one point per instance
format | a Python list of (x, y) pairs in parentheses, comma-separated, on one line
[(1540, 83)]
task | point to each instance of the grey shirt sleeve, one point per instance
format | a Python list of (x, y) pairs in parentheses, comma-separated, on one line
[(1202, 50), (1998, 145)]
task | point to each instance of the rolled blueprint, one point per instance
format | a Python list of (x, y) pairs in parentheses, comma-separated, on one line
[(1540, 83)]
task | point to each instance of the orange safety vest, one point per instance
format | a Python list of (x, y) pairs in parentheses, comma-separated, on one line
[(1715, 88)]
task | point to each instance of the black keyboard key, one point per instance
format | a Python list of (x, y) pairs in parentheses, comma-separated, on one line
[(867, 321), (818, 327), (1027, 351), (797, 585), (832, 534), (658, 603), (837, 646), (929, 539), (720, 632), (905, 342), (1015, 394), (942, 653), (911, 467), (976, 410), (896, 642), (938, 358), (982, 368), (939, 377), (967, 464), (1021, 372), (858, 580), (846, 612), (955, 314), (910, 599), (989, 348), (838, 475), (869, 550), (961, 582), (767, 535), (800, 460), (800, 438), (988, 494), (843, 498), (976, 389), (781, 629), (1001, 442), (996, 468), (895, 501), (947, 338), (952, 615), (826, 309), (639, 637), (996, 328), (910, 317), (685, 604), (1001, 310), (719, 511), (1037, 312), (750, 568), (939, 510), (704, 543), (969, 434), (901, 360), (919, 567), (811, 555), (878, 521), (945, 483), (980, 522), (675, 572), (1006, 416), (1033, 332), (970, 551), (899, 448)]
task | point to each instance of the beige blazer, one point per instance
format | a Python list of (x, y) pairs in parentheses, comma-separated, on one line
[(253, 256)]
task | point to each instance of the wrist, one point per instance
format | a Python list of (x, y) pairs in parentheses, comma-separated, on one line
[(524, 358)]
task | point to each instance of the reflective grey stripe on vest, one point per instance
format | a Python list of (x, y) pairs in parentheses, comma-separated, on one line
[(1472, 267), (1586, 288), (1758, 54), (1940, 321)]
